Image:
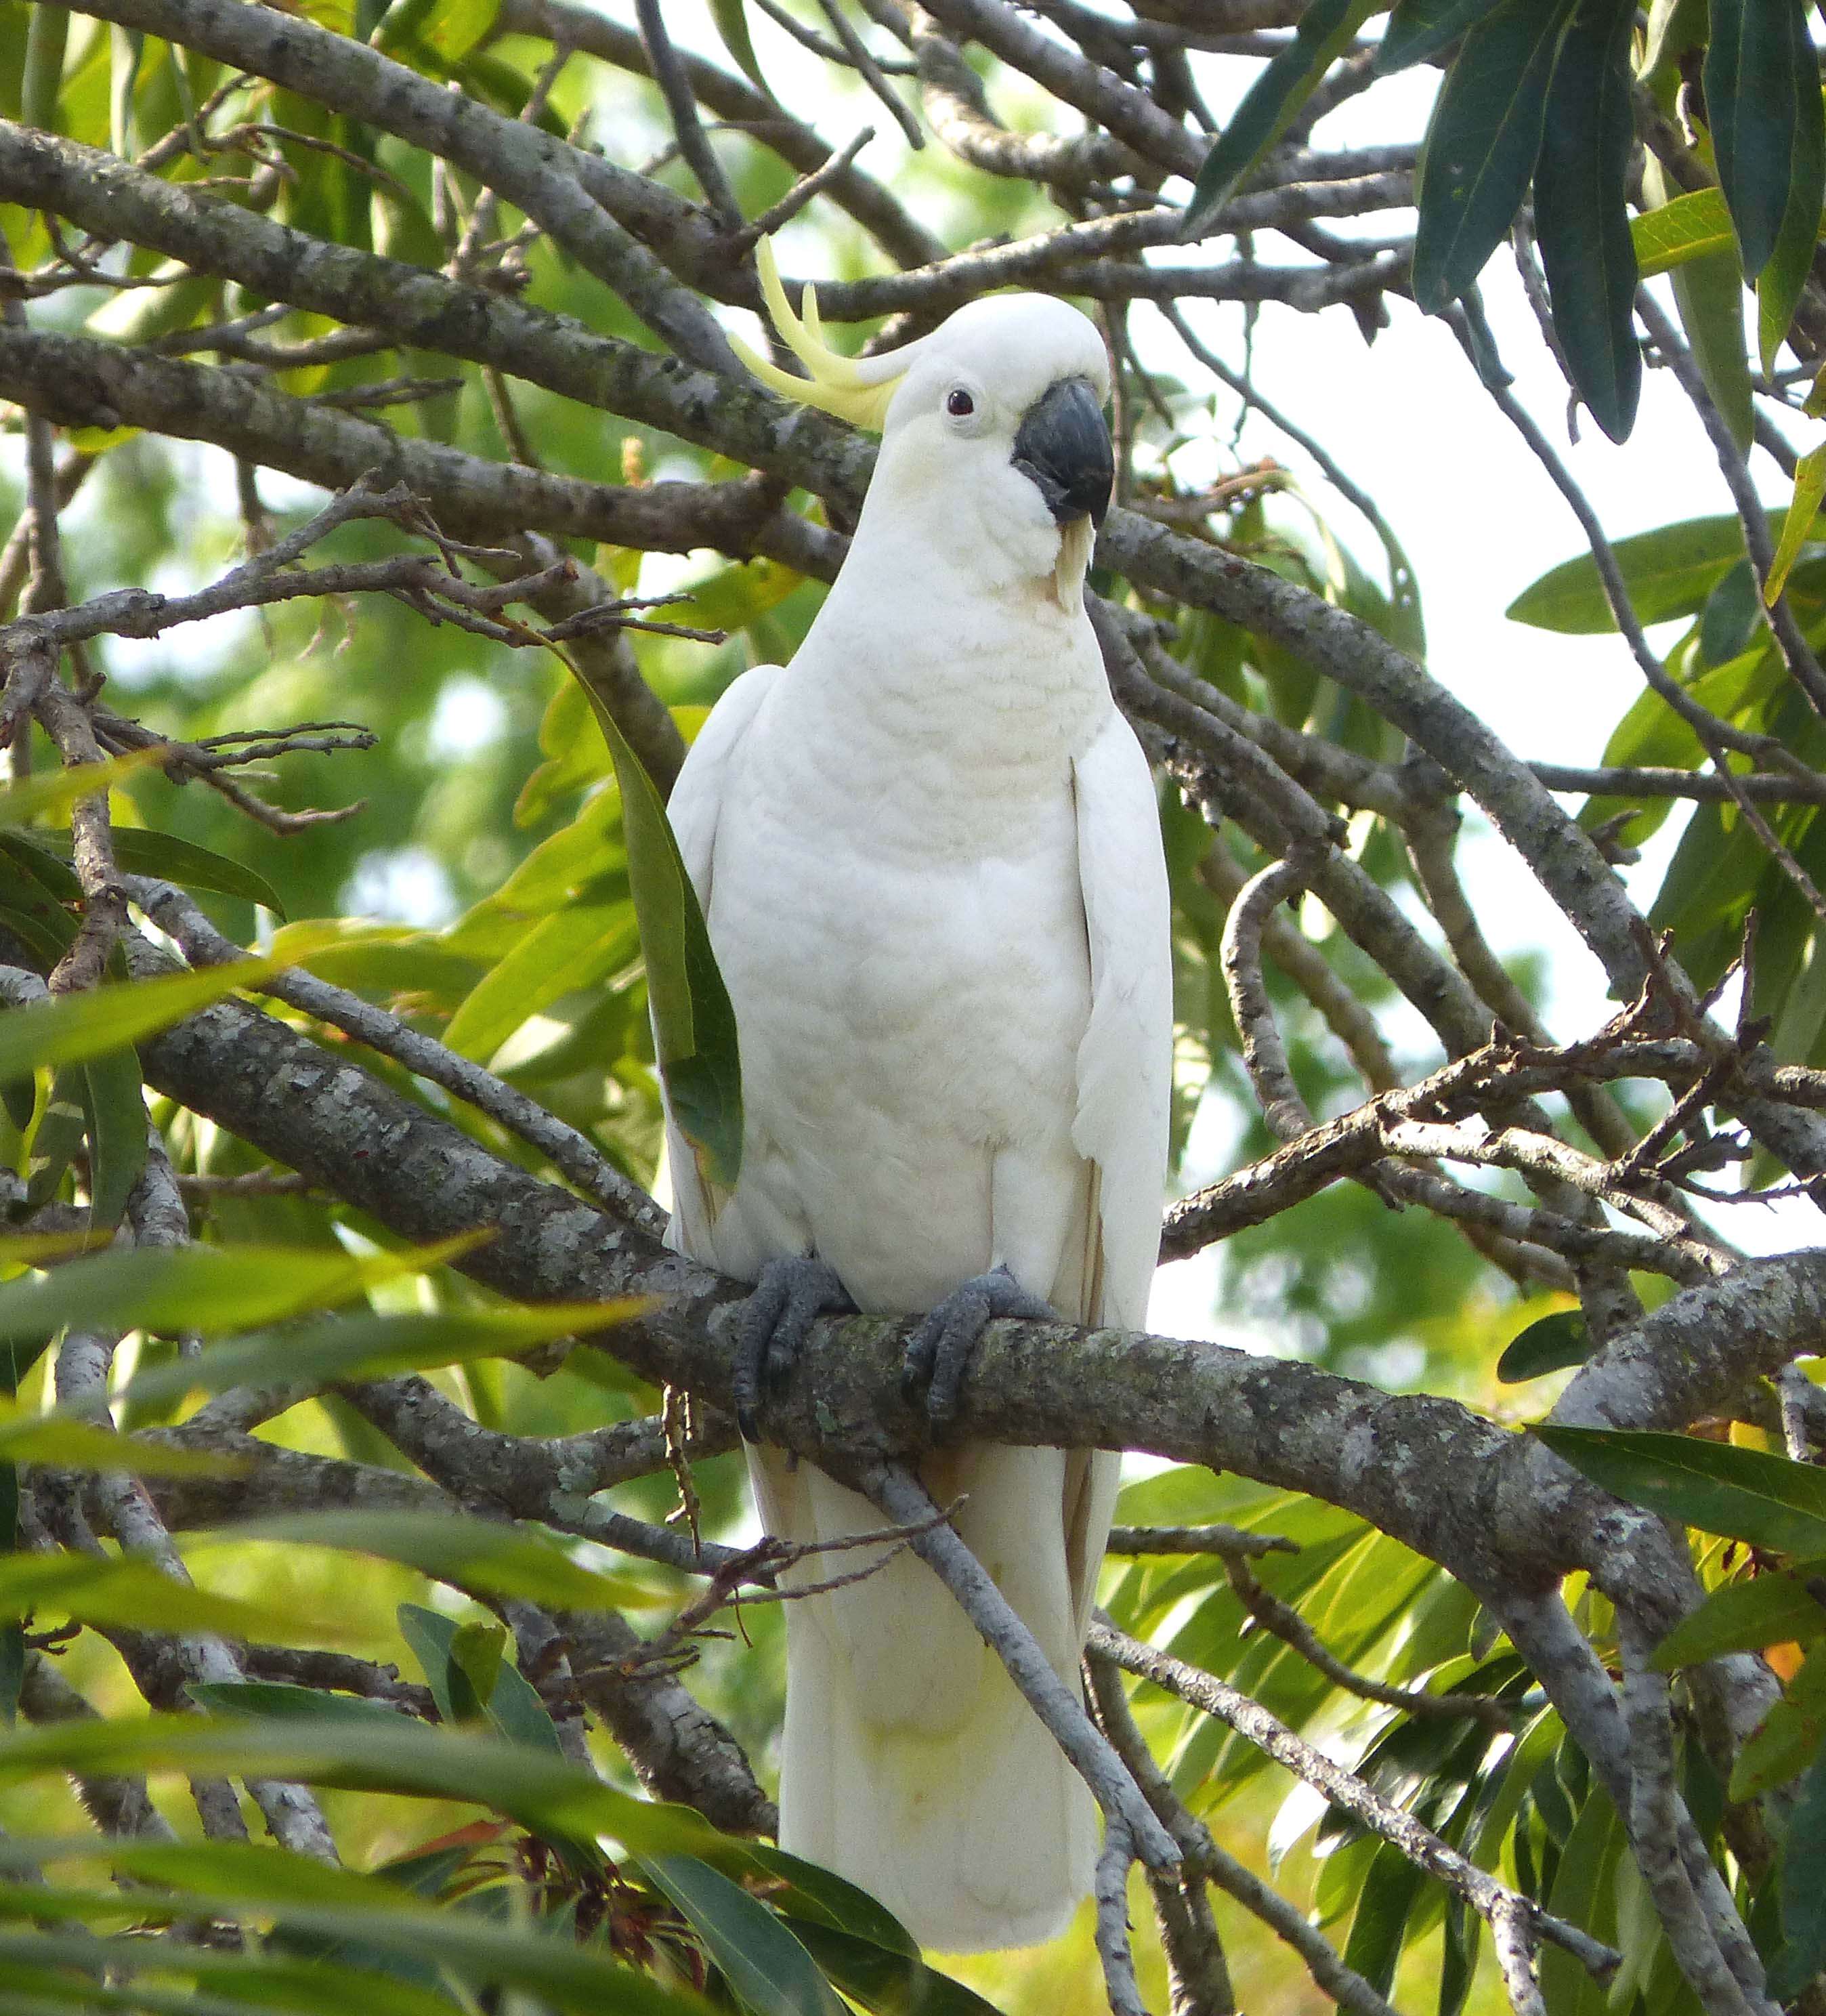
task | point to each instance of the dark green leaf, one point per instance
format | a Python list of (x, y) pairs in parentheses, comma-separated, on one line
[(114, 1115), (1744, 1493), (1549, 1345), (510, 1705), (1763, 100), (282, 1701), (1390, 1890), (1669, 572), (491, 1557), (1481, 144), (1732, 612), (1745, 1616), (885, 1982), (1803, 1895), (1579, 214), (1419, 29), (1325, 28), (694, 1025), (771, 1972), (141, 852), (1787, 1739), (1779, 284)]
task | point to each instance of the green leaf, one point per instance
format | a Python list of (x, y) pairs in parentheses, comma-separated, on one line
[(1580, 214), (1745, 1493), (1803, 1895), (1745, 1616), (694, 1025), (771, 1972), (282, 1701), (362, 1344), (1391, 1888), (1693, 226), (1779, 284), (887, 1982), (1584, 1892), (140, 851), (574, 947), (78, 1027), (52, 794), (114, 1117), (1669, 572), (1419, 29), (731, 18), (1762, 89), (27, 1436), (102, 1590), (536, 1790), (488, 1555), (1788, 1738), (1323, 31), (1481, 145), (1810, 487), (1549, 1345), (1674, 26), (207, 1289), (1708, 295), (47, 35)]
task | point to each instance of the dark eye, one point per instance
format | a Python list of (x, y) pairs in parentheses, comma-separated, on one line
[(959, 404)]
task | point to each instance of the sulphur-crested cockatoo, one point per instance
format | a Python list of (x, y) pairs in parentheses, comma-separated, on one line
[(929, 855)]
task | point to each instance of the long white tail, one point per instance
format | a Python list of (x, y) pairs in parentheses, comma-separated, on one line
[(911, 1764)]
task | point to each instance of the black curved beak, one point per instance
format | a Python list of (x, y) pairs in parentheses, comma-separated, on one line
[(1063, 446)]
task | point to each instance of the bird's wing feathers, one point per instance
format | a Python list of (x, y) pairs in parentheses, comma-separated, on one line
[(1125, 1060), (694, 808)]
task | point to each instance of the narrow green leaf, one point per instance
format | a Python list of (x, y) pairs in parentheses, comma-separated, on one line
[(1481, 144), (485, 1555), (1708, 296), (51, 794), (1419, 29), (1810, 487), (1391, 1888), (114, 1115), (47, 35), (1580, 214), (1745, 1493), (1324, 29), (731, 18), (1787, 1739), (1549, 1345), (1761, 87), (694, 1025), (29, 1436), (574, 947), (536, 1790), (362, 1344), (1693, 226), (1779, 284), (771, 1973), (1584, 1892), (282, 1701), (1669, 572), (1803, 1895), (78, 1027), (141, 851), (208, 1289), (101, 1589), (885, 1982), (1745, 1616)]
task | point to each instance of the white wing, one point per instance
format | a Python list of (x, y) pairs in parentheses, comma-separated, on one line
[(1125, 1061), (694, 808)]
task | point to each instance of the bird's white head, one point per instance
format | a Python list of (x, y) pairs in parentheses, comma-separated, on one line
[(993, 446)]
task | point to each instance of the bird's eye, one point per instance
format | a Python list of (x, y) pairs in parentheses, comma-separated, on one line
[(960, 404)]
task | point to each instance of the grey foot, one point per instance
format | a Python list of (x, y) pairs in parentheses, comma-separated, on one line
[(788, 1299), (940, 1354)]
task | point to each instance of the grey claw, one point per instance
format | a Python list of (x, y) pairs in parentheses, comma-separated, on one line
[(789, 1297), (938, 1356)]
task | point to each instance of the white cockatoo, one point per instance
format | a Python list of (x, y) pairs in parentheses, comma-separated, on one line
[(930, 854)]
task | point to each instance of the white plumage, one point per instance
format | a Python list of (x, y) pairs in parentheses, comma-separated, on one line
[(929, 852)]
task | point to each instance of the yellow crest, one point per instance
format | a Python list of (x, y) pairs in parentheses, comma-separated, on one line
[(855, 389)]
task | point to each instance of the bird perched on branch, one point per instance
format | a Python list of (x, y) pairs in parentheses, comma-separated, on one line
[(928, 853)]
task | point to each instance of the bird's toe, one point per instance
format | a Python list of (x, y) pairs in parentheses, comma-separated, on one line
[(940, 1354), (788, 1299)]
